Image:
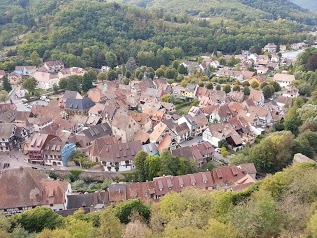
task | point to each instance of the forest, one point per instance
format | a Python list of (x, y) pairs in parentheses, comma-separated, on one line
[(281, 205), (83, 32)]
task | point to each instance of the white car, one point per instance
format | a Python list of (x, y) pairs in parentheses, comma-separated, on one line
[(47, 100), (218, 150), (43, 98)]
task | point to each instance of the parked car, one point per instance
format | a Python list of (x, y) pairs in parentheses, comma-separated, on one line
[(190, 138), (218, 150), (200, 141), (43, 98), (47, 100)]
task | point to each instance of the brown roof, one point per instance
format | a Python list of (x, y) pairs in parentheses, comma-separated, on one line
[(116, 152), (26, 187), (140, 118), (142, 136)]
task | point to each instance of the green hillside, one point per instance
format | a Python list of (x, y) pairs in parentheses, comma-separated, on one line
[(308, 4), (81, 32), (234, 9)]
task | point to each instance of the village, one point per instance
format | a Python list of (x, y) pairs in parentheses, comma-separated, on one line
[(115, 120)]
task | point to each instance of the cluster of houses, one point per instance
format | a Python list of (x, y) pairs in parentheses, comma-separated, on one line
[(49, 74), (27, 188)]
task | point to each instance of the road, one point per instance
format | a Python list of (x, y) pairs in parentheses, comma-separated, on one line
[(191, 142), (16, 160), (20, 104)]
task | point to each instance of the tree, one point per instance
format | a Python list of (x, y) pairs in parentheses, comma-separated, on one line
[(111, 75), (166, 98), (304, 89), (86, 82), (131, 64), (30, 84), (182, 69), (110, 225), (246, 90), (6, 84), (62, 83), (255, 84), (218, 87), (217, 229), (268, 91), (171, 73), (139, 163), (55, 88), (223, 143), (111, 59), (224, 152), (36, 219), (128, 74), (261, 208), (311, 64), (35, 59), (227, 88), (73, 83), (102, 76), (236, 88), (152, 166), (160, 72), (4, 96), (209, 85), (137, 229), (125, 209)]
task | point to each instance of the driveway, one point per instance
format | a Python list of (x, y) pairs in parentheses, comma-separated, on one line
[(191, 142)]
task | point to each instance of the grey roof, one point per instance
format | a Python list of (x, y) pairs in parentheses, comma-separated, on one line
[(151, 149), (79, 104), (87, 200), (98, 131), (71, 94), (6, 130)]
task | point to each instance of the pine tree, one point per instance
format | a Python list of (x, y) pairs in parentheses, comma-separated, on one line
[(6, 84)]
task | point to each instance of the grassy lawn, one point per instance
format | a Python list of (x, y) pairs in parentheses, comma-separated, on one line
[(183, 110)]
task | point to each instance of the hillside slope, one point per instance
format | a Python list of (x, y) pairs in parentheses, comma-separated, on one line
[(308, 4), (233, 9)]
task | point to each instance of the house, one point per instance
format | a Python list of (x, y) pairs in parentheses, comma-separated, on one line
[(169, 107), (78, 106), (54, 66), (96, 110), (25, 70), (159, 131), (283, 101), (195, 111), (14, 78), (190, 90), (199, 152), (270, 48), (201, 124), (182, 132), (124, 127), (115, 157), (85, 138), (291, 92), (263, 115), (284, 80), (46, 80), (87, 200), (35, 147), (68, 94), (26, 188), (217, 132), (7, 136), (257, 97), (191, 123), (57, 152), (261, 69), (66, 72), (142, 119), (237, 96), (221, 114)]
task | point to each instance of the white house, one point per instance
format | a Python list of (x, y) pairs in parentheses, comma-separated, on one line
[(284, 80), (46, 80)]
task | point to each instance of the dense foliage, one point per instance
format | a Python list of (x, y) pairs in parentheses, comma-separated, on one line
[(92, 33)]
